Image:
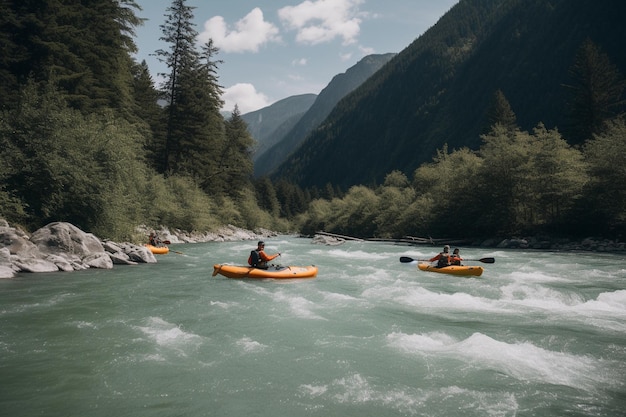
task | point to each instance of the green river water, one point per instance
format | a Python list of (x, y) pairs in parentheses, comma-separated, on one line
[(539, 334)]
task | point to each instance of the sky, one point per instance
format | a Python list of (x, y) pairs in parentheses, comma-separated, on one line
[(274, 49)]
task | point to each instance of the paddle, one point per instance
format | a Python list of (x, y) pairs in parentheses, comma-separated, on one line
[(406, 259)]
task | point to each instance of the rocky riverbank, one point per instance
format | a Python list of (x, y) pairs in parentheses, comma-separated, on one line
[(537, 242), (62, 246)]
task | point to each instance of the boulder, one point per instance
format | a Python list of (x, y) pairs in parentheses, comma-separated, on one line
[(100, 260), (6, 272), (140, 254), (327, 240), (35, 265), (62, 263), (17, 243), (65, 238)]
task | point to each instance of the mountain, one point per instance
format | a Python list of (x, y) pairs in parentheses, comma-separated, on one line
[(269, 124), (438, 90), (339, 87)]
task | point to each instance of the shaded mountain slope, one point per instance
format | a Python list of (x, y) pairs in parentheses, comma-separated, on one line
[(438, 89), (269, 124), (339, 87)]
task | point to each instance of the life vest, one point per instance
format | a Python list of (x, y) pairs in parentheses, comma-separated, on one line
[(444, 260), (254, 258)]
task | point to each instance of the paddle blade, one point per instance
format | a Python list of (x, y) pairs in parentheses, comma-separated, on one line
[(487, 260), (406, 259)]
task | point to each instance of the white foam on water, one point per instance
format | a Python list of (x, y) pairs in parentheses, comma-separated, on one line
[(85, 325), (248, 345), (334, 298), (534, 276), (313, 391), (224, 305), (521, 360), (607, 311), (348, 254), (298, 305), (168, 335), (423, 299), (407, 400)]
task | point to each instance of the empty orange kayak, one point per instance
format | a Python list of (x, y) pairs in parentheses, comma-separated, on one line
[(462, 270), (158, 250), (274, 272)]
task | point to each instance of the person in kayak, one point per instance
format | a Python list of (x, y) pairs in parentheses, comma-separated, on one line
[(154, 240), (455, 259), (258, 258), (443, 258)]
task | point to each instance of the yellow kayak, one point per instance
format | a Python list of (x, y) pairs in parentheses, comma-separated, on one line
[(462, 270), (158, 250), (274, 272)]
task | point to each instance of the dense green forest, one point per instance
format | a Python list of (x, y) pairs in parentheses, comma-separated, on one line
[(84, 139), (439, 88)]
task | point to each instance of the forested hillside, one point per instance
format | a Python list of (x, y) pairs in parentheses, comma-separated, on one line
[(269, 124), (339, 87), (84, 136), (505, 118), (441, 88)]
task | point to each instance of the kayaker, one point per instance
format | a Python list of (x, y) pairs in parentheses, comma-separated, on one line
[(154, 240), (443, 258), (455, 259), (258, 258)]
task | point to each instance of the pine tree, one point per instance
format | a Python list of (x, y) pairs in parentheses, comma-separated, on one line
[(596, 93), (235, 162), (194, 128), (500, 112), (82, 47), (149, 111)]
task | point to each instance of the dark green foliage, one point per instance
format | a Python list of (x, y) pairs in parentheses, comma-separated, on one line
[(82, 48), (266, 196), (82, 132), (235, 160), (519, 182), (150, 114), (596, 92), (500, 112), (68, 167), (439, 88), (604, 204), (194, 128)]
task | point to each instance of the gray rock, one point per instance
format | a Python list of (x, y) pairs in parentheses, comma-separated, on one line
[(61, 262), (141, 254), (120, 258), (35, 265), (100, 260), (65, 238), (6, 272)]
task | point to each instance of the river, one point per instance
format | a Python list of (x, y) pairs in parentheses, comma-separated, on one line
[(538, 334)]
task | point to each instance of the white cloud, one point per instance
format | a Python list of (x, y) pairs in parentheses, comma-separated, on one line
[(322, 21), (299, 62), (249, 34), (245, 96), (345, 57)]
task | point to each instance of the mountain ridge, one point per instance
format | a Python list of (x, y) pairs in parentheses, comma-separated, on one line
[(438, 89), (340, 85)]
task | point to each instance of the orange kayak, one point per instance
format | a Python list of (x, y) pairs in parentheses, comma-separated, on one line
[(158, 250), (273, 272), (462, 270)]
